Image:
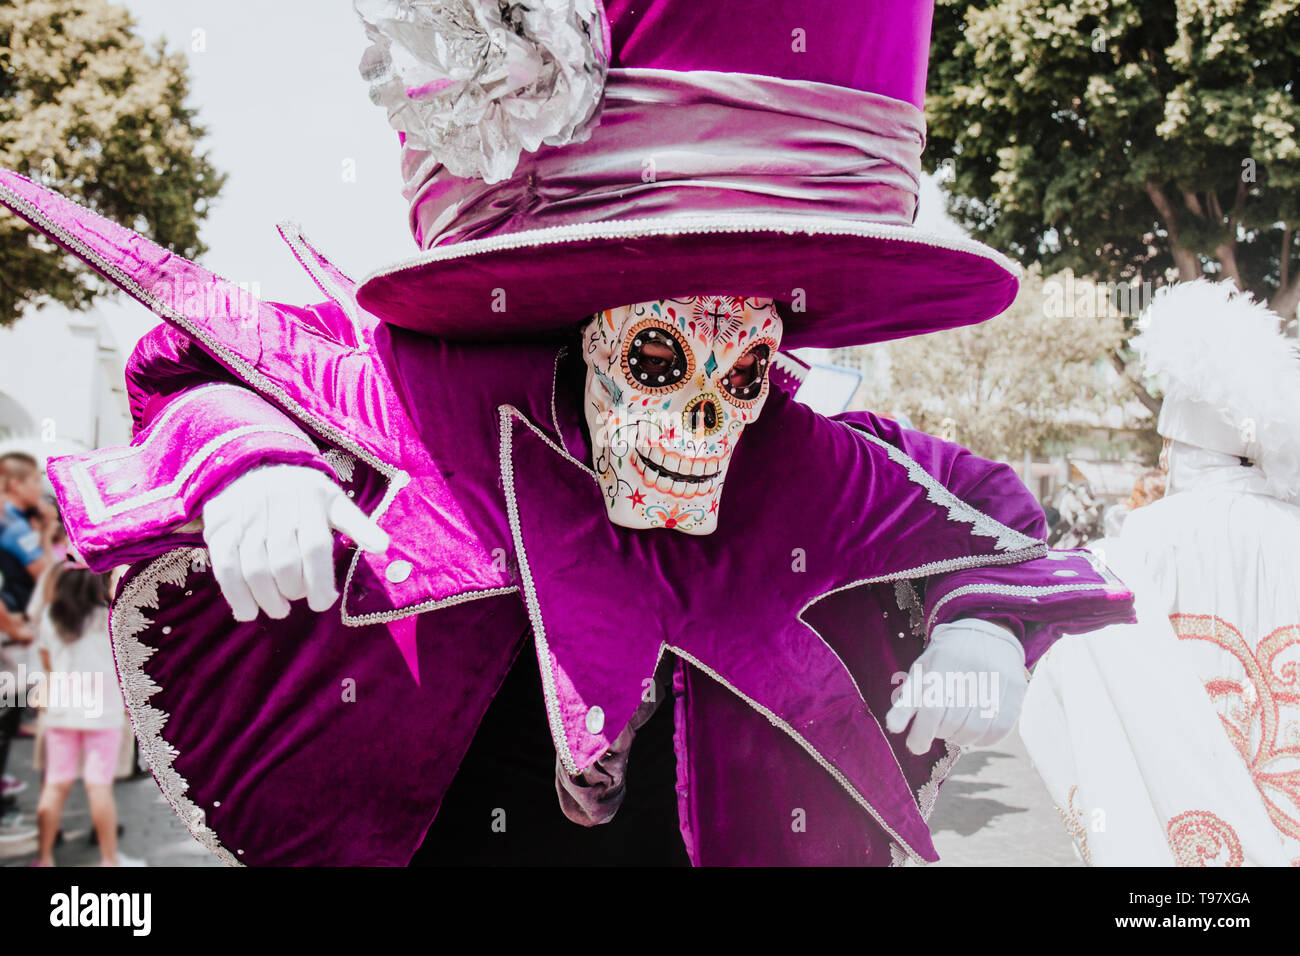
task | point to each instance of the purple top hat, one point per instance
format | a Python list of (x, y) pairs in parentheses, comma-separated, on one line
[(561, 163)]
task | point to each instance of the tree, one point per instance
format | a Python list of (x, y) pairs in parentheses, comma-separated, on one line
[(88, 110), (1032, 377), (1133, 141)]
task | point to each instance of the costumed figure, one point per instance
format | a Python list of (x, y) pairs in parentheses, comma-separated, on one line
[(586, 540), (1149, 487), (1176, 740)]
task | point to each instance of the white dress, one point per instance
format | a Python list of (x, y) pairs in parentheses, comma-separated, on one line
[(1176, 741)]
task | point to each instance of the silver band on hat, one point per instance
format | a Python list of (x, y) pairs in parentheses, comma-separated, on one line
[(696, 143)]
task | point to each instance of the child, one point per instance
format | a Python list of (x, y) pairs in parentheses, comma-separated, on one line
[(84, 715)]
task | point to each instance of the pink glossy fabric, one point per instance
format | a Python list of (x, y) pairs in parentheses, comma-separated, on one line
[(774, 147)]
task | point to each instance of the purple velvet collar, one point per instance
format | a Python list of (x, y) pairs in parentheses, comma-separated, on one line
[(605, 602)]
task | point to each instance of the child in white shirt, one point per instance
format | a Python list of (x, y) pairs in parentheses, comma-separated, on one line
[(84, 713)]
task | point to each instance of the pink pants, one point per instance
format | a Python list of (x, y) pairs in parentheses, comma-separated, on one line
[(65, 746)]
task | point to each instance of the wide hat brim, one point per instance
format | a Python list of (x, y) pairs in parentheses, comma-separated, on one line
[(837, 282)]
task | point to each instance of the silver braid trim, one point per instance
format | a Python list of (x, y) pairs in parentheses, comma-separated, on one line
[(343, 464), (1010, 590), (937, 493), (909, 601), (927, 796), (127, 621)]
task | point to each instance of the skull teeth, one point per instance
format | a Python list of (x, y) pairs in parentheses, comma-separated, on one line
[(675, 486), (689, 471)]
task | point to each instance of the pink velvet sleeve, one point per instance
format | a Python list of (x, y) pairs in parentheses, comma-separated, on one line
[(1039, 599), (196, 430)]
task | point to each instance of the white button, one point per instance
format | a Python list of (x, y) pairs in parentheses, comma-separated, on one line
[(398, 571), (1066, 573), (1058, 555), (595, 720)]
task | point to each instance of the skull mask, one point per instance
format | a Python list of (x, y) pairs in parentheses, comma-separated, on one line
[(671, 385)]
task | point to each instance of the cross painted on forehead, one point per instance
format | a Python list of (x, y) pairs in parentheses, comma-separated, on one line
[(718, 317), (715, 312)]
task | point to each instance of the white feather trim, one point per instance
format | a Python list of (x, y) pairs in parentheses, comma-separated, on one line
[(1207, 342)]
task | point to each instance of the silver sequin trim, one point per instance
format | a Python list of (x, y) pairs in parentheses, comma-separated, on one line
[(345, 299), (928, 795), (1017, 590), (909, 601), (508, 414), (343, 465), (382, 617), (788, 365), (937, 493), (794, 735), (127, 622), (690, 225)]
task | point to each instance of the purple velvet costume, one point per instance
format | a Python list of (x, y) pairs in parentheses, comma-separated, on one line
[(841, 544), (860, 537)]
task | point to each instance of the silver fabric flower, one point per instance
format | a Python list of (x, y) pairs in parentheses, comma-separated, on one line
[(475, 82)]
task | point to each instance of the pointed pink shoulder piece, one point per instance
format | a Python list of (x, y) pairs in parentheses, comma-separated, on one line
[(217, 312), (359, 328)]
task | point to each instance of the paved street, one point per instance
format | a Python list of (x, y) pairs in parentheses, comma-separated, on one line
[(993, 811), (152, 831)]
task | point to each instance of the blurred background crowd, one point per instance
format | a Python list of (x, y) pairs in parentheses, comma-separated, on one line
[(58, 684)]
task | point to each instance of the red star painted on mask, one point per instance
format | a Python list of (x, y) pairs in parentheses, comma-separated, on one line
[(713, 506), (637, 498)]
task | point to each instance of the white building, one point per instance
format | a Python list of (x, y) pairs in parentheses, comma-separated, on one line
[(61, 383)]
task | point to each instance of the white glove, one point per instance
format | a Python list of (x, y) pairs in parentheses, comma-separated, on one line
[(270, 537), (967, 687)]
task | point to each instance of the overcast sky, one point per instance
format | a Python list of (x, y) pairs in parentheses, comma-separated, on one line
[(276, 84)]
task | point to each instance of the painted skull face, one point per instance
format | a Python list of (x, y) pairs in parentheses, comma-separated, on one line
[(670, 386)]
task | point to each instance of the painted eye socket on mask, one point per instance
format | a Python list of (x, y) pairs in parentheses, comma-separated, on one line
[(746, 380), (655, 360)]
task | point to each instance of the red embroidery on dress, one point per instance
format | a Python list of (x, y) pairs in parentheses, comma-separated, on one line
[(1199, 838), (1256, 707)]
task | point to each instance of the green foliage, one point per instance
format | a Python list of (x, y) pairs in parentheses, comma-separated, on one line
[(1125, 139), (88, 110), (1032, 378)]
